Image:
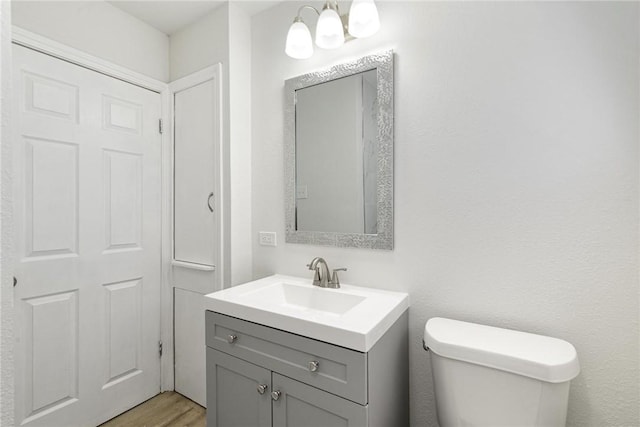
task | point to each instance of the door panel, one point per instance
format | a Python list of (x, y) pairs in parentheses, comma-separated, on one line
[(52, 336), (51, 197), (194, 178), (50, 97), (232, 392), (189, 345), (124, 329), (301, 405), (123, 200), (87, 219), (121, 116)]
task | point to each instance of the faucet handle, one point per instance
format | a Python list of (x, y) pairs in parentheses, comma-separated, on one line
[(316, 275), (334, 277), (314, 263)]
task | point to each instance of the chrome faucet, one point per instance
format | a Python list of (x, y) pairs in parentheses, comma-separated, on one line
[(321, 275)]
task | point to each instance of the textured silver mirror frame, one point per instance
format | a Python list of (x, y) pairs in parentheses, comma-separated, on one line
[(383, 63)]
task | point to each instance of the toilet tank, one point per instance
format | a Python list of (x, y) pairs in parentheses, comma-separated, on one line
[(487, 376)]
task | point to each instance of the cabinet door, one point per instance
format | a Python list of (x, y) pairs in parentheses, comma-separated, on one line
[(189, 352), (300, 405), (233, 399), (195, 136)]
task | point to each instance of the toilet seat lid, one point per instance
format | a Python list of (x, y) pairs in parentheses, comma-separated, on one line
[(544, 358)]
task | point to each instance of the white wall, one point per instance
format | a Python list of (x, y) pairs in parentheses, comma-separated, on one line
[(6, 230), (516, 179), (240, 143), (100, 29), (199, 45)]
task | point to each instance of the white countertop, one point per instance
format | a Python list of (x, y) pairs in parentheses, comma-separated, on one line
[(354, 317)]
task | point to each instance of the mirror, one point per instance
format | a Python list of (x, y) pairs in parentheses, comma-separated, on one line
[(339, 155)]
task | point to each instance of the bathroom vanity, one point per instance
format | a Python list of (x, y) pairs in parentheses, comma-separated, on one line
[(284, 353)]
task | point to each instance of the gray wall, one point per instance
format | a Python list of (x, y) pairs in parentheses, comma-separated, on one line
[(516, 179)]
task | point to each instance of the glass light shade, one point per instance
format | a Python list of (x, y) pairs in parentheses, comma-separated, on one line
[(363, 18), (299, 44), (329, 31)]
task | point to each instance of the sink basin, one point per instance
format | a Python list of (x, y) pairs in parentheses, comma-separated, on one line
[(304, 298), (351, 316)]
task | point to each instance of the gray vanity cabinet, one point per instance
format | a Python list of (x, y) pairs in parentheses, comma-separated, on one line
[(235, 386), (261, 376), (232, 395)]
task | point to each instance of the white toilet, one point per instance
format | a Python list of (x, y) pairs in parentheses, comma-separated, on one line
[(486, 376)]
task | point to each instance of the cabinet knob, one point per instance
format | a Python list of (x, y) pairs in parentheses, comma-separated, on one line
[(275, 395), (262, 388), (232, 338), (314, 365)]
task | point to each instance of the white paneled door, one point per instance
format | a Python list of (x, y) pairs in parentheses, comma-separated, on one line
[(86, 159)]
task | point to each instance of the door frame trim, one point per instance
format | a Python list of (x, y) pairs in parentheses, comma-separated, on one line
[(62, 51), (58, 50)]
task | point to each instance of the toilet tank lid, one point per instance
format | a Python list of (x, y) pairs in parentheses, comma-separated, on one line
[(544, 358)]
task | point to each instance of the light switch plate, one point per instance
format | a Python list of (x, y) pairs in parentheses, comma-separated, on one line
[(268, 238)]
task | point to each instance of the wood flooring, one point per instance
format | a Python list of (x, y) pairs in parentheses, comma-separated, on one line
[(168, 409)]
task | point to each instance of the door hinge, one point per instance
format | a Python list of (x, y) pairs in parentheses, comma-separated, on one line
[(160, 348), (15, 281), (160, 128)]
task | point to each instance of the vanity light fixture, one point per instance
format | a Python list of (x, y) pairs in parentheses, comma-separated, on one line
[(331, 29)]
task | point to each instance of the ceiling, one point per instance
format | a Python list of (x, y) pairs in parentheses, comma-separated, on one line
[(170, 16)]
